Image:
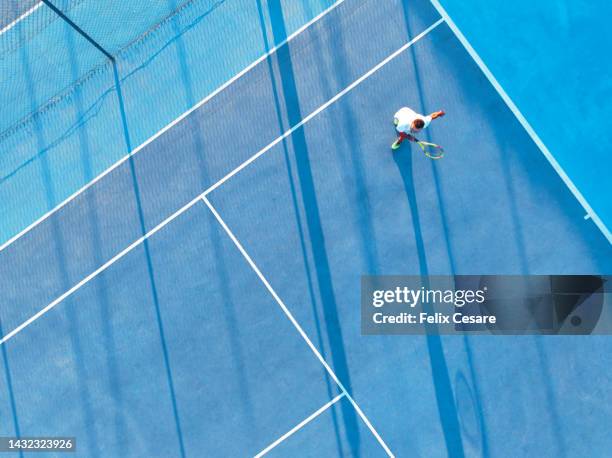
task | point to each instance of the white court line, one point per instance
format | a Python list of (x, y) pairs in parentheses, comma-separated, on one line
[(100, 269), (300, 425), (517, 113), (296, 325), (169, 126), (20, 18), (215, 186)]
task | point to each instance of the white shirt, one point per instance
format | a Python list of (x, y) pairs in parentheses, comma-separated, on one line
[(405, 116)]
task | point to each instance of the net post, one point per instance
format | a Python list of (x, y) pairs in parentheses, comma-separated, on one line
[(99, 47)]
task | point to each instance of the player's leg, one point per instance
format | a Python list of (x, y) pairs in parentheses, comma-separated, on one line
[(399, 140)]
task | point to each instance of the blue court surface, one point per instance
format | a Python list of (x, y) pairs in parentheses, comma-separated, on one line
[(184, 233)]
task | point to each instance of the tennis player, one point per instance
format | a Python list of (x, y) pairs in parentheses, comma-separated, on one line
[(409, 123)]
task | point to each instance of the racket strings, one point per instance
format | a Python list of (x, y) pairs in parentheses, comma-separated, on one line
[(431, 150)]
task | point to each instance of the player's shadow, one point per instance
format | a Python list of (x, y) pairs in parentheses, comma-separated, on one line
[(441, 376), (442, 384)]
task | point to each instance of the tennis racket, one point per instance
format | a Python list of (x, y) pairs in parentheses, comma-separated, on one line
[(431, 150)]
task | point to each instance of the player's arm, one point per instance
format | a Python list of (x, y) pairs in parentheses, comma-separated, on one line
[(437, 114)]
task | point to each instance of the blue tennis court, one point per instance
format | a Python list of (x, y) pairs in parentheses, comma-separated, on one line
[(184, 233)]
